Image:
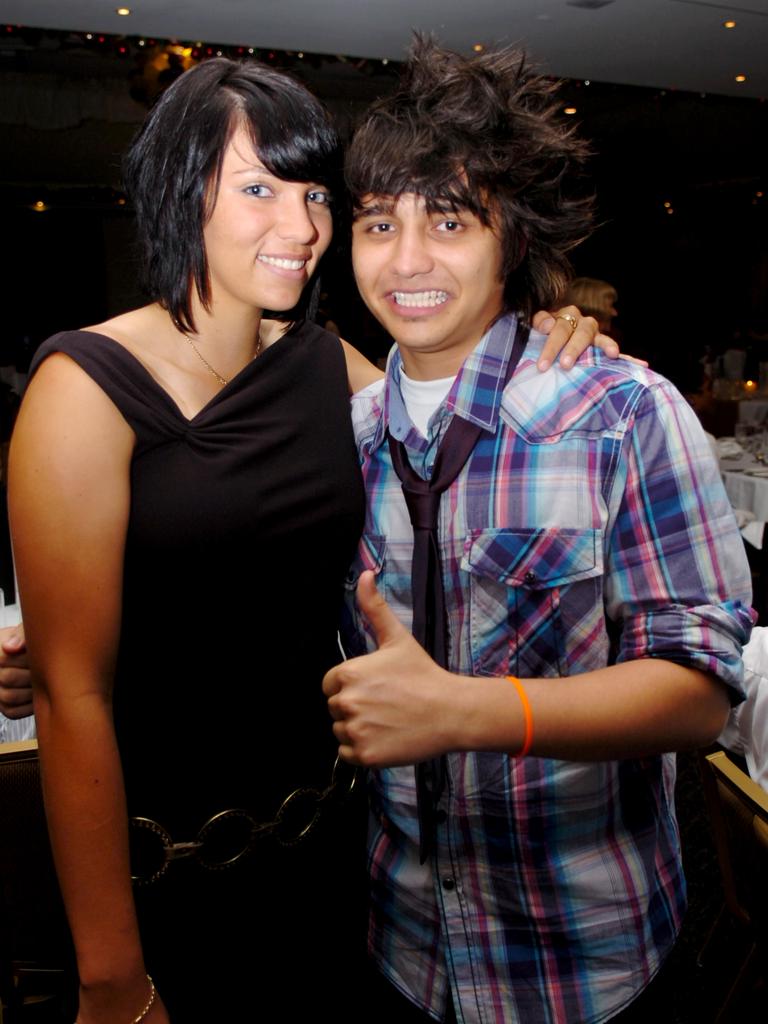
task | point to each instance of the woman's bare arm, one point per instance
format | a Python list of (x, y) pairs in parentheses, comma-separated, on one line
[(360, 372), (69, 502)]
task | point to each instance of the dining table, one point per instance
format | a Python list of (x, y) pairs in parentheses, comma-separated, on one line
[(753, 411), (746, 483)]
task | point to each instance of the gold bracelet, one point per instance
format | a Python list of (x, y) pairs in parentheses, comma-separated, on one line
[(150, 1002)]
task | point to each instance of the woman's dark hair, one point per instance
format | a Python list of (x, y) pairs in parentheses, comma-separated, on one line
[(483, 134), (173, 166)]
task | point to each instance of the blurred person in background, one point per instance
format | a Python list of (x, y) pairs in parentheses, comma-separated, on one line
[(594, 298)]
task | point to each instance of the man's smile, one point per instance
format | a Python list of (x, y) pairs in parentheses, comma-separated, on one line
[(425, 299)]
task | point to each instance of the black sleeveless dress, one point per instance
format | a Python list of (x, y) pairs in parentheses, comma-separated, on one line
[(243, 522)]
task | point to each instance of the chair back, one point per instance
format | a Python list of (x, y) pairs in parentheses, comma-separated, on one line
[(739, 812), (33, 929)]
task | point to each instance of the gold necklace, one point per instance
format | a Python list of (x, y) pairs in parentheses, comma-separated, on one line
[(222, 380)]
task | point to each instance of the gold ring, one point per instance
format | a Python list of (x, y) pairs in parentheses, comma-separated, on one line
[(570, 319)]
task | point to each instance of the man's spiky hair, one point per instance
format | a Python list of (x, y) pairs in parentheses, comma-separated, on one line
[(485, 134)]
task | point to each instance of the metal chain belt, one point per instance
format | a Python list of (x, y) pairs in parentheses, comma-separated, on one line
[(231, 834)]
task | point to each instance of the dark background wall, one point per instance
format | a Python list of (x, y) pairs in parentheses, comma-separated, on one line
[(687, 278)]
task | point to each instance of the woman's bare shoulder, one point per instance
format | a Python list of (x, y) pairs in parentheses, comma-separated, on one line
[(360, 371), (132, 329), (65, 411)]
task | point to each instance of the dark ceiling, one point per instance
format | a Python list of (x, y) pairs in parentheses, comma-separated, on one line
[(668, 44)]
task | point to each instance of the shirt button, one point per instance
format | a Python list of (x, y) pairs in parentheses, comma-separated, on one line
[(449, 883), (530, 577), (441, 816)]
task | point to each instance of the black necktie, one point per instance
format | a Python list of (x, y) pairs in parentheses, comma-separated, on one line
[(430, 626)]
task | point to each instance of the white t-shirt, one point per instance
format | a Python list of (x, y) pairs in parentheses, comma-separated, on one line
[(422, 398)]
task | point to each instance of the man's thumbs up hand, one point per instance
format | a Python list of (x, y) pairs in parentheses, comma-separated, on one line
[(386, 626), (393, 706)]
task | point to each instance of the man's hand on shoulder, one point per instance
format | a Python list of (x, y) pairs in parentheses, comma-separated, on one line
[(15, 685)]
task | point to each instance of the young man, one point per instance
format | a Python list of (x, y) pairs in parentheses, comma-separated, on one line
[(529, 869)]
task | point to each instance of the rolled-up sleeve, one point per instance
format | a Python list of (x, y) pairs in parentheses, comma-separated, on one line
[(678, 582)]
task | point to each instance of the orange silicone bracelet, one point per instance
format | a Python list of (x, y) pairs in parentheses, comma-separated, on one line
[(527, 716)]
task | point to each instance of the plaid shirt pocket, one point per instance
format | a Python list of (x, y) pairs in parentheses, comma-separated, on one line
[(530, 590)]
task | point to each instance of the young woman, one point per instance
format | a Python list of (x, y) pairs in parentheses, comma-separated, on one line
[(185, 502)]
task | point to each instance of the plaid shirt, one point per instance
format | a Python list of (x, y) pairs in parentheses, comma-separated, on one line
[(589, 527)]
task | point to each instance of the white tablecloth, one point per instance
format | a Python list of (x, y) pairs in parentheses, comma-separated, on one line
[(753, 411), (746, 482), (10, 614)]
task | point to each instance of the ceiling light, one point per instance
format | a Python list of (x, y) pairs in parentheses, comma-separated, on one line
[(667, 204), (569, 110), (478, 47), (729, 24), (39, 206), (124, 11), (741, 78)]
